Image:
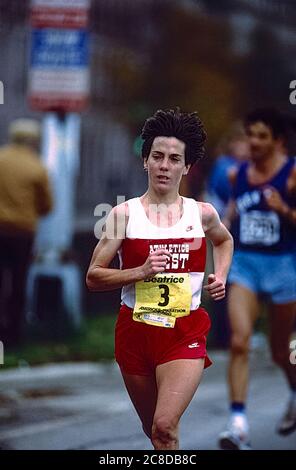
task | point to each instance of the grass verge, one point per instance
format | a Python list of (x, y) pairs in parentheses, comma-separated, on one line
[(94, 341)]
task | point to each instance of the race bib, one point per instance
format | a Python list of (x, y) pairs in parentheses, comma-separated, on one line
[(163, 298), (260, 228)]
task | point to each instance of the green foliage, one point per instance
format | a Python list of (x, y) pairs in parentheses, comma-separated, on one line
[(93, 342)]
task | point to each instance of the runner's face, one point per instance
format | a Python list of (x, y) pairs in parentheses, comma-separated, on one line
[(166, 164), (262, 142)]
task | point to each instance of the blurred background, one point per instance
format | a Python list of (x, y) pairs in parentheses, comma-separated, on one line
[(220, 58)]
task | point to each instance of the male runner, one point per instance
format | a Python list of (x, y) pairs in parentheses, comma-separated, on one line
[(263, 211)]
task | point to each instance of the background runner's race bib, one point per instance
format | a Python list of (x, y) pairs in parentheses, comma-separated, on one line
[(261, 228), (163, 298)]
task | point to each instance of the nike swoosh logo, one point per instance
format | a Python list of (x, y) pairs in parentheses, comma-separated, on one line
[(193, 345)]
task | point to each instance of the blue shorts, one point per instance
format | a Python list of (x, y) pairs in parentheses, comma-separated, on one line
[(271, 275)]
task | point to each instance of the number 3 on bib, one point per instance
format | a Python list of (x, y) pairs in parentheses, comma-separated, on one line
[(163, 298), (165, 295)]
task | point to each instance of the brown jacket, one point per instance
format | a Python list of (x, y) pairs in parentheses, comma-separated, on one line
[(24, 189)]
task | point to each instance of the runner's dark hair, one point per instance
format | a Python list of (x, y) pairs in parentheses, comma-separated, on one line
[(272, 118), (186, 127)]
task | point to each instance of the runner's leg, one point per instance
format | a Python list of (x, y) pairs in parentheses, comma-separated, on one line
[(243, 310), (143, 394), (177, 382)]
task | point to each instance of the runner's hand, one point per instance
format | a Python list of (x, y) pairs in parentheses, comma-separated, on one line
[(156, 263), (274, 200), (215, 287)]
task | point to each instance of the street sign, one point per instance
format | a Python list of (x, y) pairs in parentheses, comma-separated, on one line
[(59, 13), (59, 60)]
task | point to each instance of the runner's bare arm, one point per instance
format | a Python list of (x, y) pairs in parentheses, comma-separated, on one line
[(230, 211), (222, 242), (99, 276), (276, 203)]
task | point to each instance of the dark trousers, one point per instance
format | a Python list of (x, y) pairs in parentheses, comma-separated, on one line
[(15, 258)]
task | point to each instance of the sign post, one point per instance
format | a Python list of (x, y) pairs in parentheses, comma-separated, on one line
[(58, 85)]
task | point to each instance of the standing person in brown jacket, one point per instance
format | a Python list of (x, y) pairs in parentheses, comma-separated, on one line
[(25, 195)]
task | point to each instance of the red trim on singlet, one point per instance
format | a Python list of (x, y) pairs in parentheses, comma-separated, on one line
[(134, 252)]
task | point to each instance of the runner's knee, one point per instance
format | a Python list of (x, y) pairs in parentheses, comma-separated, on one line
[(240, 344), (164, 433)]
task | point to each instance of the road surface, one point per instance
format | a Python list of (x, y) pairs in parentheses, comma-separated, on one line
[(85, 406)]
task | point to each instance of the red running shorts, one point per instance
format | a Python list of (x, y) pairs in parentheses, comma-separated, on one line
[(140, 348)]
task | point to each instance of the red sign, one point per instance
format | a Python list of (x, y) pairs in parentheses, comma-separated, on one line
[(70, 105), (59, 13)]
